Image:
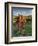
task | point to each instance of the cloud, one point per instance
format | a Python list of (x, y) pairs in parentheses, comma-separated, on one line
[(22, 11)]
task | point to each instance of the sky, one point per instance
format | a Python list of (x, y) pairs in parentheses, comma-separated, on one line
[(21, 11)]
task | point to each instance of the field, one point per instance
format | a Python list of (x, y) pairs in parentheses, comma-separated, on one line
[(25, 30)]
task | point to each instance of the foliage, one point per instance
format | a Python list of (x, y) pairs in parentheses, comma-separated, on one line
[(26, 31)]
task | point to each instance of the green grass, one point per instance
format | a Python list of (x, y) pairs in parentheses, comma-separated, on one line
[(27, 31)]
